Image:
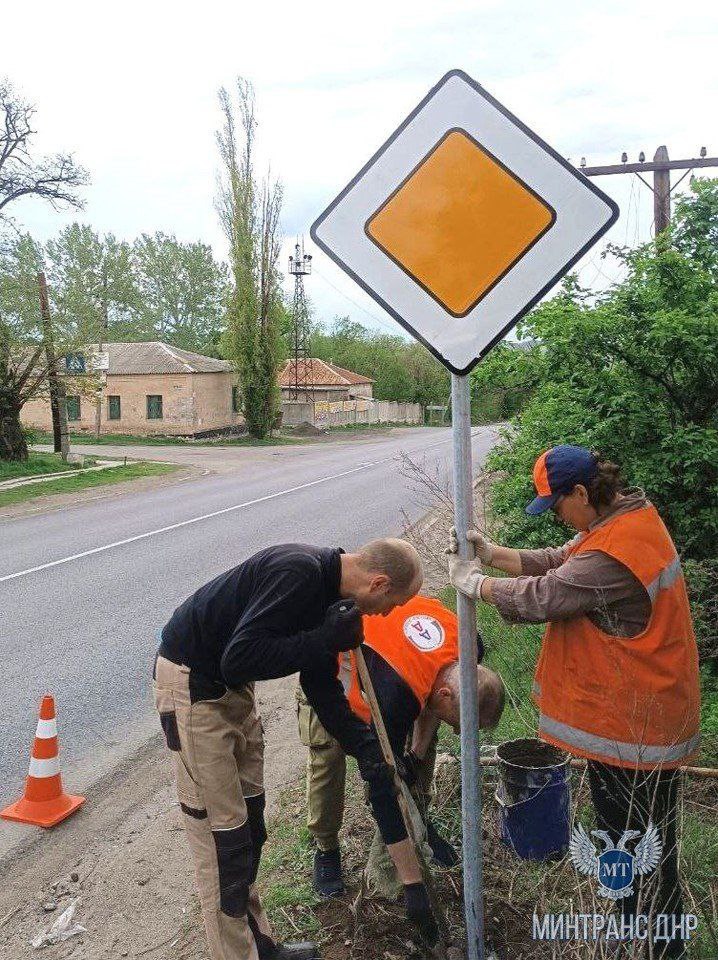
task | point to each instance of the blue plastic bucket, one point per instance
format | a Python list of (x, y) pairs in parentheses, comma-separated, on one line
[(534, 797)]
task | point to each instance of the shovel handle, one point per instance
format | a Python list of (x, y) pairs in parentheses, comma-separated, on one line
[(402, 791)]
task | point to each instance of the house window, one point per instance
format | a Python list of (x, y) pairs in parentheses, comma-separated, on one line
[(73, 408), (236, 399), (154, 406), (113, 407)]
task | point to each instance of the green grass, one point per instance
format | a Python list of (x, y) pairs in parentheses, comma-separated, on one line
[(286, 868), (38, 463), (82, 481), (125, 439)]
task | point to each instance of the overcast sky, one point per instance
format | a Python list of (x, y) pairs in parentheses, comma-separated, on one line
[(131, 90)]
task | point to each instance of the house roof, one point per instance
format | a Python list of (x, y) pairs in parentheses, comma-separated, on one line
[(319, 373), (156, 357)]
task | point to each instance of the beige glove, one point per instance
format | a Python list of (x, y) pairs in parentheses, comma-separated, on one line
[(465, 575), (484, 548)]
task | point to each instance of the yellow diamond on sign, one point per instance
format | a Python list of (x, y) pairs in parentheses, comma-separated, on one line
[(459, 222)]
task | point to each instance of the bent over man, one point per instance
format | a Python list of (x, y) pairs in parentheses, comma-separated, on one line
[(289, 608), (412, 658)]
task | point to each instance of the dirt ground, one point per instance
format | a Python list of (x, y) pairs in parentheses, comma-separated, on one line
[(124, 856)]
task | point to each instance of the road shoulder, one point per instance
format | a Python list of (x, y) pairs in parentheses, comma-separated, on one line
[(59, 501)]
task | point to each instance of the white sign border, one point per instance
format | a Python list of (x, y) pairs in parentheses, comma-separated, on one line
[(398, 174)]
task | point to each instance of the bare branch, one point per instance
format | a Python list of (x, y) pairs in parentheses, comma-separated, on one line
[(56, 179)]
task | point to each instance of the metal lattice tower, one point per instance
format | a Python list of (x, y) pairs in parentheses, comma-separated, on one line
[(300, 265)]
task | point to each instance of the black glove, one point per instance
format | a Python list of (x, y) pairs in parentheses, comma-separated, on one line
[(378, 776), (342, 627), (418, 910), (409, 769)]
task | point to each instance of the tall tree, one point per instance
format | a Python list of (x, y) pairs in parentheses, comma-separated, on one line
[(23, 369), (249, 213), (95, 292), (56, 179), (183, 292), (96, 296)]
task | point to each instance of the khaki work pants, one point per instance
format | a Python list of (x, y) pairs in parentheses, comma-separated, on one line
[(326, 778), (218, 752)]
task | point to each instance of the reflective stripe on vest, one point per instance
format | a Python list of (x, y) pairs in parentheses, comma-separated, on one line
[(639, 753), (665, 579)]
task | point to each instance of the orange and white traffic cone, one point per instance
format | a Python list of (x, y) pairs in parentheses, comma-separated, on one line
[(44, 802)]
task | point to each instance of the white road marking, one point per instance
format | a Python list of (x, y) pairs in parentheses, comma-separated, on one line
[(208, 516), (185, 523)]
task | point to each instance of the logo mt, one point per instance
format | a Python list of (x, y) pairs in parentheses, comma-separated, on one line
[(616, 867)]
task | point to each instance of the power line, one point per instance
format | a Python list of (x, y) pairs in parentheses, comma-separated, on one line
[(346, 296)]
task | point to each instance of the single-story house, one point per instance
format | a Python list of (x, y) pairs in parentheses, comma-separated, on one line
[(325, 380), (149, 388)]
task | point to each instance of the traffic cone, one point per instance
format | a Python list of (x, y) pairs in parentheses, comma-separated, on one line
[(44, 802)]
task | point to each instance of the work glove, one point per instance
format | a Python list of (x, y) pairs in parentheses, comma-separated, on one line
[(418, 911), (409, 771), (483, 547), (342, 627), (465, 575)]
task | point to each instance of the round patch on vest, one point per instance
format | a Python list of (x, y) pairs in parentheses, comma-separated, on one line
[(425, 633)]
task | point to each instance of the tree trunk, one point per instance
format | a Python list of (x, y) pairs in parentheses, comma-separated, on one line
[(13, 445)]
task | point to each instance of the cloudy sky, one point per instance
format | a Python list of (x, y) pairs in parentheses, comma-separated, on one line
[(131, 90)]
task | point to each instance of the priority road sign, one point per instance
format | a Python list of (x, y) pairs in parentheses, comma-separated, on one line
[(462, 221)]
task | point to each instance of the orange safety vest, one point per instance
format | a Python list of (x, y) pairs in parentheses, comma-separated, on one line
[(626, 701), (416, 639)]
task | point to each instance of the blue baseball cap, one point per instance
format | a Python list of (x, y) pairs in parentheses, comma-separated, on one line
[(557, 471)]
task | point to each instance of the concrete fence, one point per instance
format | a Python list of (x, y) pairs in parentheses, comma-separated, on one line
[(340, 413)]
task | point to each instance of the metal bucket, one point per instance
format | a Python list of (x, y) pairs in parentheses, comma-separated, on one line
[(534, 797)]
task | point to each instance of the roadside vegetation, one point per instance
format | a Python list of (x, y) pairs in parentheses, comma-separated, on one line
[(128, 439), (37, 464), (83, 481)]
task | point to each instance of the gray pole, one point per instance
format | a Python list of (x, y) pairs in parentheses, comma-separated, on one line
[(470, 765)]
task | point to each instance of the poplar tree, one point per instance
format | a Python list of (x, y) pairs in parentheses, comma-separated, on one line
[(249, 213)]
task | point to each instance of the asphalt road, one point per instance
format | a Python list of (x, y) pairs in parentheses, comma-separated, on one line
[(83, 590)]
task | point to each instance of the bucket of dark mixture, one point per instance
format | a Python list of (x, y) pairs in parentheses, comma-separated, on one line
[(534, 797)]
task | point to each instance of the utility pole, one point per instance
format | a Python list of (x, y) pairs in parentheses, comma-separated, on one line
[(104, 324), (661, 167), (57, 388)]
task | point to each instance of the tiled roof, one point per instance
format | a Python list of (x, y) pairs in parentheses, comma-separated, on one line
[(350, 375), (156, 357), (318, 373)]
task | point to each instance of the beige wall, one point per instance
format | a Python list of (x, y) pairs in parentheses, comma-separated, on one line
[(213, 401), (190, 403), (361, 390)]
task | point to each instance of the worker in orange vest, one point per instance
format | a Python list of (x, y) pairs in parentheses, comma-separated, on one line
[(617, 677), (412, 656)]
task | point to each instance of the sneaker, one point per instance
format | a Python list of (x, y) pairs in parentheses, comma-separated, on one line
[(327, 879), (443, 853)]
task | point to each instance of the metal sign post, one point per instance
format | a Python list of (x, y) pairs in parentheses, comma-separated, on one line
[(457, 226), (469, 685)]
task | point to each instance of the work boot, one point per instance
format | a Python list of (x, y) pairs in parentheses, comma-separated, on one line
[(327, 879), (442, 852), (294, 951)]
